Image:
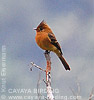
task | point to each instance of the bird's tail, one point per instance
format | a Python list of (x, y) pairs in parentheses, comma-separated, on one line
[(64, 62)]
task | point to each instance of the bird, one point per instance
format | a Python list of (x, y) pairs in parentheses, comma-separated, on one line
[(47, 41)]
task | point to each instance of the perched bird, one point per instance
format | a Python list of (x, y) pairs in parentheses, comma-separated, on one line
[(47, 41)]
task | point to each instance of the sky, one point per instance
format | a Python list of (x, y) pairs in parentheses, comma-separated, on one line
[(72, 22)]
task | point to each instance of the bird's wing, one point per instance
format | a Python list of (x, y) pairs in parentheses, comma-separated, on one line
[(54, 41)]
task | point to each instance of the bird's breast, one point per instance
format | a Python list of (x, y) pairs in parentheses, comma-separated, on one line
[(44, 42)]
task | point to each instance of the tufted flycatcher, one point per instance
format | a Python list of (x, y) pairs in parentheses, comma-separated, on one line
[(47, 41)]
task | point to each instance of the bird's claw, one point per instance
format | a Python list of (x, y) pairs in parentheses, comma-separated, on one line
[(47, 52)]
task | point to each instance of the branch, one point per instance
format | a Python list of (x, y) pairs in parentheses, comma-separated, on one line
[(34, 65), (78, 90), (92, 94), (38, 83), (48, 76)]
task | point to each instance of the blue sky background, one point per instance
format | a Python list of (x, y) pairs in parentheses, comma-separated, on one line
[(72, 22)]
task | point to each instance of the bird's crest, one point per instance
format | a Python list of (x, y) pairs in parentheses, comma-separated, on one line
[(43, 26), (42, 23)]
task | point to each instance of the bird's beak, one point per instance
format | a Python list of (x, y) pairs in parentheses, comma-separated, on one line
[(35, 28)]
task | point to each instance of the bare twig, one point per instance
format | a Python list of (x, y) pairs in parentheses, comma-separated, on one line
[(38, 87), (73, 91), (78, 87), (34, 65), (91, 94), (44, 81), (38, 84), (78, 91)]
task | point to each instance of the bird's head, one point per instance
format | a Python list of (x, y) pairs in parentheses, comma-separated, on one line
[(43, 27)]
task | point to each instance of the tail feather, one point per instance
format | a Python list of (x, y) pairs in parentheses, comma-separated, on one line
[(64, 62)]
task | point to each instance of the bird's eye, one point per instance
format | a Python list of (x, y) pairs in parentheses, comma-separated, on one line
[(40, 28)]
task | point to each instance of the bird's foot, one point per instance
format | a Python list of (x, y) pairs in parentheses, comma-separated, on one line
[(47, 52)]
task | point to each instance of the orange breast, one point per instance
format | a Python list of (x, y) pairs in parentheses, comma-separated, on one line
[(44, 42)]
